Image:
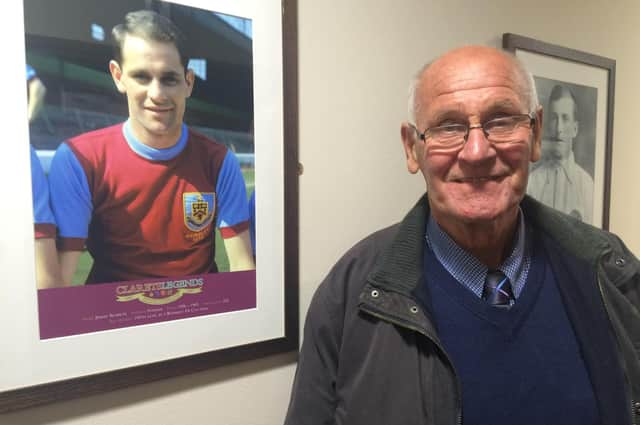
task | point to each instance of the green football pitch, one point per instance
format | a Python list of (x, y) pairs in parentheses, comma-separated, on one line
[(84, 265)]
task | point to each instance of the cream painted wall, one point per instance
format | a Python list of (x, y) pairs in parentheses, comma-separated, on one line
[(356, 57)]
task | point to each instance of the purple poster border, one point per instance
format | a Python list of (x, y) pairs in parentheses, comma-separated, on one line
[(92, 308)]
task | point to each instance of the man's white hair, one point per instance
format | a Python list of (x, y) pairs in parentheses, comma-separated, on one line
[(531, 94)]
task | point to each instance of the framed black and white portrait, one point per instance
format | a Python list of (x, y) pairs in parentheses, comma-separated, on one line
[(576, 92)]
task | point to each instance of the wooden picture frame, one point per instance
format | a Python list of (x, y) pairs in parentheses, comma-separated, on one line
[(589, 81), (36, 371)]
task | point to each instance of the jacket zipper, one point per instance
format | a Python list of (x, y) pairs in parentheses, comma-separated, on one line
[(380, 315), (626, 376)]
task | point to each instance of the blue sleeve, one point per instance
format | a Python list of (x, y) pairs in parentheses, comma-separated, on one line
[(232, 194), (40, 191), (70, 195), (30, 72)]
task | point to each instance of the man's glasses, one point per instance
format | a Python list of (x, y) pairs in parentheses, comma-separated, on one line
[(497, 130)]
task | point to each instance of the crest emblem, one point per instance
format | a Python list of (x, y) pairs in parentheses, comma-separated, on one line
[(199, 209)]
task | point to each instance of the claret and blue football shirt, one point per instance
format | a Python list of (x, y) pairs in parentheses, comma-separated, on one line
[(145, 212)]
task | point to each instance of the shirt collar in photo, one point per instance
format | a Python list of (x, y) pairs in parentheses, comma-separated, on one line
[(468, 270), (150, 153)]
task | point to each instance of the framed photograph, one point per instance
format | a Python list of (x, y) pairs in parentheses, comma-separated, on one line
[(153, 184), (576, 90)]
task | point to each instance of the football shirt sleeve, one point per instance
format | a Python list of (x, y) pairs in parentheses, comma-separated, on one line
[(44, 222), (70, 198), (31, 73), (233, 209)]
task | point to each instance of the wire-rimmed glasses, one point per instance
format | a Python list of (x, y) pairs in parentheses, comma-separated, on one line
[(497, 130)]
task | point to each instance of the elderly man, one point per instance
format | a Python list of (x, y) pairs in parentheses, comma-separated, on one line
[(557, 180), (482, 306), (146, 195)]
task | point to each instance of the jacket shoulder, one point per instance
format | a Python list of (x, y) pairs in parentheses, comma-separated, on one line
[(347, 277), (618, 266), (340, 290)]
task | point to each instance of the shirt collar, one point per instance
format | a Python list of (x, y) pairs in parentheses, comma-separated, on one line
[(468, 270), (150, 153)]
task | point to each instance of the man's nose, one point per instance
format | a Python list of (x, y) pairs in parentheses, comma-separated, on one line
[(556, 128), (477, 147), (156, 91)]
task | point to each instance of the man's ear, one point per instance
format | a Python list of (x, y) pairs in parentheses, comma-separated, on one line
[(116, 74), (536, 143), (190, 78), (409, 138)]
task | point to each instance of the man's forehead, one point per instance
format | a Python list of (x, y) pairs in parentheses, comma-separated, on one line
[(469, 68), (448, 109), (135, 46), (134, 42), (564, 102)]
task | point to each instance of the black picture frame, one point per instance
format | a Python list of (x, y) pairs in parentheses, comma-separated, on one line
[(93, 384), (568, 57)]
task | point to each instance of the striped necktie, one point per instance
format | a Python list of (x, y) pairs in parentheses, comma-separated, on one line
[(497, 289)]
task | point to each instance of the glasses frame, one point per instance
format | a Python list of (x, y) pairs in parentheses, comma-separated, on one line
[(424, 135)]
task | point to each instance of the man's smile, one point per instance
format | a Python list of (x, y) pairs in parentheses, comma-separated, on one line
[(158, 109), (478, 179)]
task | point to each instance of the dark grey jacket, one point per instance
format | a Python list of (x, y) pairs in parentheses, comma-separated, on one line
[(371, 356)]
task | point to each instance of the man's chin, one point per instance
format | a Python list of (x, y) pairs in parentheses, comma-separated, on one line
[(161, 129), (477, 212), (553, 150)]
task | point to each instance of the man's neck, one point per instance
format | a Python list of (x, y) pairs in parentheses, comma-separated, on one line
[(154, 140), (561, 162), (153, 153), (490, 241)]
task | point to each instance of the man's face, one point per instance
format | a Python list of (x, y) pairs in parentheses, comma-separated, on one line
[(154, 80), (479, 182), (561, 129)]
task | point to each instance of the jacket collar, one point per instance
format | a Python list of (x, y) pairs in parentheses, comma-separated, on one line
[(575, 237), (400, 267)]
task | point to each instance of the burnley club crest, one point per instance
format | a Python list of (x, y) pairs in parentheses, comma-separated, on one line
[(199, 209)]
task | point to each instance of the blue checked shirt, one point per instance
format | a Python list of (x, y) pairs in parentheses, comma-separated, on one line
[(468, 270)]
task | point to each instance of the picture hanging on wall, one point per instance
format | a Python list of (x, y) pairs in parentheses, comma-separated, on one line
[(576, 91), (137, 243)]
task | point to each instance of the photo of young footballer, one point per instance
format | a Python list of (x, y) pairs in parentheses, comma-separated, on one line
[(146, 196)]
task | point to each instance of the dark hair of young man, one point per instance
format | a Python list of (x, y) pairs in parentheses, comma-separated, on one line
[(148, 25)]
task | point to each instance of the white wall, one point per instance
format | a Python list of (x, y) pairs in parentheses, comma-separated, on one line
[(355, 60)]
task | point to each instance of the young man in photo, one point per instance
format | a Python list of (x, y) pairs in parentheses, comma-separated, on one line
[(145, 196), (558, 181)]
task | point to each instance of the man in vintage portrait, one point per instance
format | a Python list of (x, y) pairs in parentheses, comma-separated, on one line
[(557, 180), (483, 305), (145, 196)]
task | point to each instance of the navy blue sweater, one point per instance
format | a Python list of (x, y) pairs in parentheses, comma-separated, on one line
[(521, 365)]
